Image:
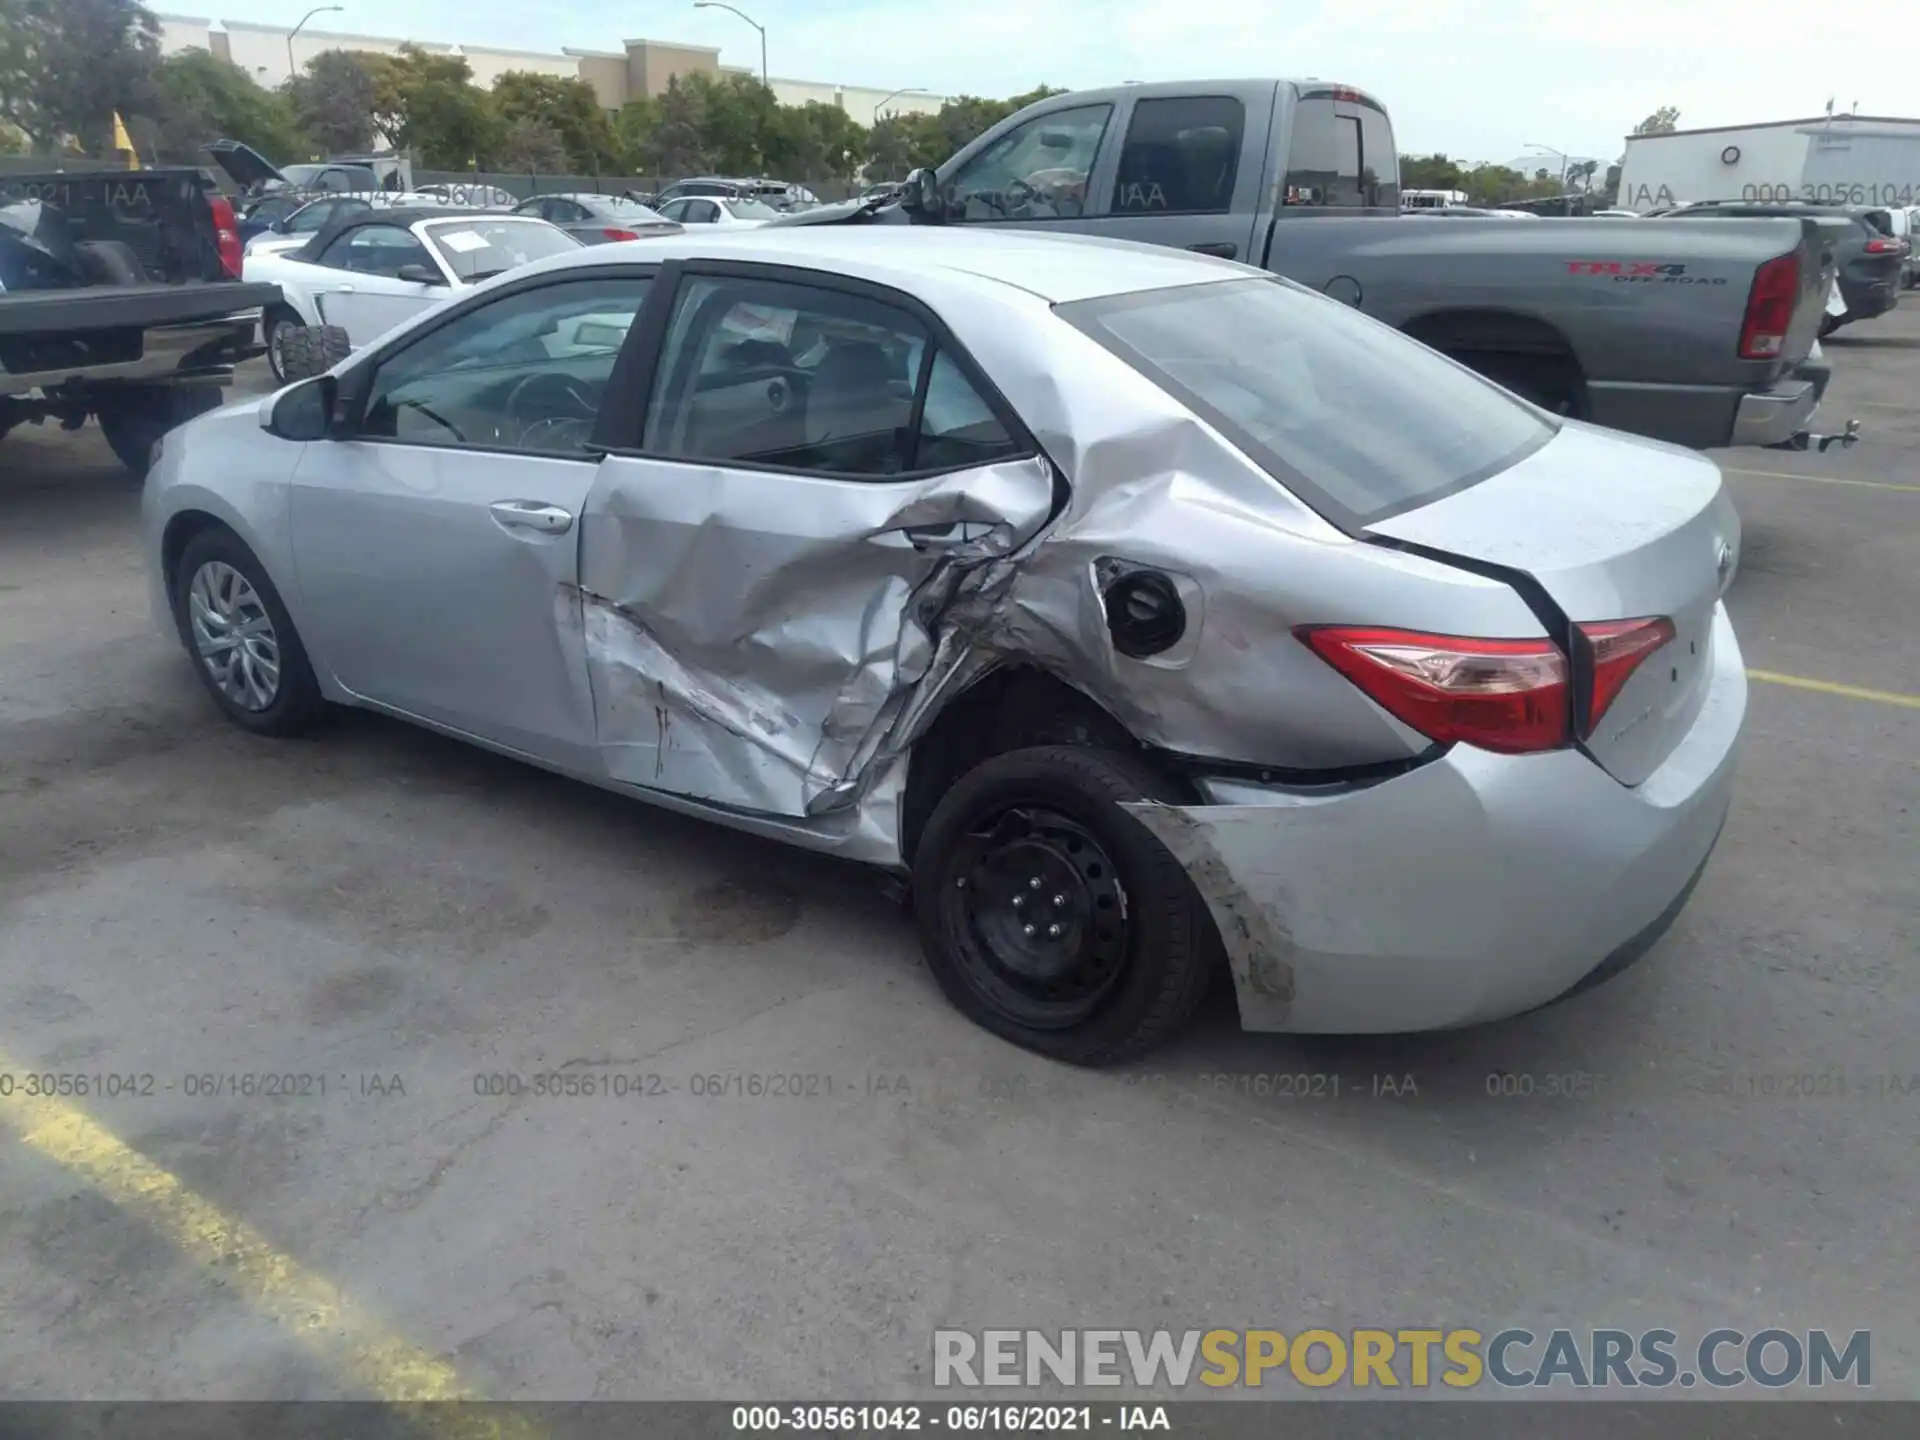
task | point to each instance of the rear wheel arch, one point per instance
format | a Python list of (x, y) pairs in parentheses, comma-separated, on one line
[(1016, 706), (1526, 354)]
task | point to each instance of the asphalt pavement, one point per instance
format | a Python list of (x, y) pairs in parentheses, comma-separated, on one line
[(306, 978)]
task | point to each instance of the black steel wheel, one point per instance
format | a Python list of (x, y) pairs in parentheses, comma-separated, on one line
[(1054, 918)]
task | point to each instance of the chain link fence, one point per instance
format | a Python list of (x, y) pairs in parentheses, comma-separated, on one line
[(525, 186)]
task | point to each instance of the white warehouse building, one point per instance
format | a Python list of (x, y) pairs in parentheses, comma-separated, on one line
[(1829, 159)]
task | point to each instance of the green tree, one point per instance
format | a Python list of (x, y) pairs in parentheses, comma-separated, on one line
[(1661, 122), (569, 109), (633, 128), (740, 117), (333, 101), (427, 103), (1431, 172), (814, 141), (202, 98), (67, 65), (677, 144), (532, 146)]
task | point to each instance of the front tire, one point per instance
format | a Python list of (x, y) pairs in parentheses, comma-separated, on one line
[(134, 420), (240, 638), (275, 329), (1053, 918)]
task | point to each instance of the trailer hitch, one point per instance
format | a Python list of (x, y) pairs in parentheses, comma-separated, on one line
[(1809, 440)]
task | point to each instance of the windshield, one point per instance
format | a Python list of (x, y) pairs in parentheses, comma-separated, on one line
[(750, 210), (479, 248), (1358, 421), (344, 178), (629, 209)]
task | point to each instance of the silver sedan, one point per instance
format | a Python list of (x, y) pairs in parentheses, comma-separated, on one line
[(1156, 616)]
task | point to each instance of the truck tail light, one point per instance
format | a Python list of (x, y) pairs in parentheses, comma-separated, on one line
[(1776, 285), (1509, 696), (1885, 247), (226, 235), (1618, 647)]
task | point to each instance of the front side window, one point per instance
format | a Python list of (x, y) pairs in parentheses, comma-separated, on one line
[(1181, 157), (483, 247), (702, 212), (528, 371), (1358, 421), (376, 250), (814, 380), (1038, 171)]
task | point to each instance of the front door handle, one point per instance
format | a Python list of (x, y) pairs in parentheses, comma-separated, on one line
[(343, 289), (531, 515), (1225, 249), (943, 537)]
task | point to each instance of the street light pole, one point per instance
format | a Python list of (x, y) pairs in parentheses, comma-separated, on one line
[(292, 70), (1566, 200), (719, 5), (904, 90)]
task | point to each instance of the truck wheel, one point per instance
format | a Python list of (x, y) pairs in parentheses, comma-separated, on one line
[(241, 639), (310, 350), (1051, 916), (134, 419), (109, 262), (278, 324)]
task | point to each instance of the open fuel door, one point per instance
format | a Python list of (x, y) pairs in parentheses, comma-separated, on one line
[(763, 583)]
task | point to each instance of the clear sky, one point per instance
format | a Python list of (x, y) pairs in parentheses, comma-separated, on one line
[(1477, 79)]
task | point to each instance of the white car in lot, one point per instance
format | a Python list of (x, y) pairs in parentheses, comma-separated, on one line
[(372, 269), (727, 212), (294, 230)]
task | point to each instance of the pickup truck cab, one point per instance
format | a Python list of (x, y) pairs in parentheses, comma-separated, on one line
[(1695, 334)]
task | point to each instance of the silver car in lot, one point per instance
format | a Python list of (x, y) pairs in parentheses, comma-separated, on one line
[(1156, 616)]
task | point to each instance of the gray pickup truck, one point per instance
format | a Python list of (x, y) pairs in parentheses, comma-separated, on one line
[(121, 302), (1703, 335)]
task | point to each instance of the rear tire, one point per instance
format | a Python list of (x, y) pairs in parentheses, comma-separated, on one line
[(133, 420), (1120, 947), (310, 350)]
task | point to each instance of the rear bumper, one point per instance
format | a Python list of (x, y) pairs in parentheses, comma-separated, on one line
[(1778, 413), (1476, 887)]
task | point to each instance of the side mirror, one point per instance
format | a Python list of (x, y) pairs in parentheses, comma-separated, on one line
[(303, 411), (921, 192), (421, 275)]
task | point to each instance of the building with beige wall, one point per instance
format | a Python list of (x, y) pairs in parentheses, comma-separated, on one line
[(640, 68)]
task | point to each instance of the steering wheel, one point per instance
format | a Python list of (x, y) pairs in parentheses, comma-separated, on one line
[(1019, 195), (539, 400)]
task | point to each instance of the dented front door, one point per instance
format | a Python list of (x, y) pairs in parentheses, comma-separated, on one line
[(749, 634)]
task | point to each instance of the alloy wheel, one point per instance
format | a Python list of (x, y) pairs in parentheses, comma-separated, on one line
[(234, 636)]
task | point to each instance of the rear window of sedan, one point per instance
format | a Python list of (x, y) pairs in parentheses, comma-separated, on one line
[(1350, 415)]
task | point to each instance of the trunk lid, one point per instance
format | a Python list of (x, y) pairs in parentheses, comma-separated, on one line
[(1610, 528), (244, 165)]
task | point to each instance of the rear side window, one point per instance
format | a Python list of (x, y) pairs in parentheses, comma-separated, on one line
[(1358, 421), (1341, 154), (1181, 156)]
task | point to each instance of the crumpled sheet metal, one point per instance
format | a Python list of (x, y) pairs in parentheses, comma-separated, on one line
[(746, 652)]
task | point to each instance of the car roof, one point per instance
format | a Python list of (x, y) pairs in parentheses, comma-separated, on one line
[(404, 217), (1054, 268)]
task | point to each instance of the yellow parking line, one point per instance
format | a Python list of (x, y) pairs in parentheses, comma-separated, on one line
[(1819, 479), (380, 1365), (1830, 687)]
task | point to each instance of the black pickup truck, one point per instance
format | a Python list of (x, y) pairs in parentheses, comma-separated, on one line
[(120, 301)]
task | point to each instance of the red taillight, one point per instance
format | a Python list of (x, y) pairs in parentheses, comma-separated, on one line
[(621, 234), (226, 235), (1504, 695), (1885, 247), (1776, 285), (1618, 648)]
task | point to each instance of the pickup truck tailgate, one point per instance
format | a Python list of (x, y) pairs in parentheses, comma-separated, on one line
[(111, 307)]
